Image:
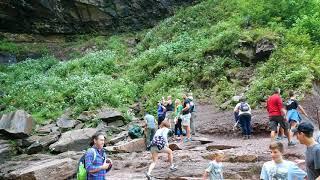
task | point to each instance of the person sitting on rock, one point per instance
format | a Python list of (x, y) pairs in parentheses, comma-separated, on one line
[(214, 169), (160, 145), (279, 168), (96, 161)]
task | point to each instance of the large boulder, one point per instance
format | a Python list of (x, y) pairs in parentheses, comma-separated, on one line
[(5, 149), (65, 123), (16, 124), (136, 145), (76, 140), (36, 144), (111, 117), (83, 16), (41, 166)]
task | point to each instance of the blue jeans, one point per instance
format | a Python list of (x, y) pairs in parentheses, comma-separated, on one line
[(245, 122)]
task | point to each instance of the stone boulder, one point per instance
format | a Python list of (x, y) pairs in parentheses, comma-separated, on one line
[(5, 149), (41, 166), (108, 129), (136, 145), (46, 129), (119, 137), (38, 143), (111, 117), (75, 140), (66, 123), (6, 58), (16, 124)]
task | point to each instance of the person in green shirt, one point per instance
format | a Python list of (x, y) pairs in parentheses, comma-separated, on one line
[(178, 120)]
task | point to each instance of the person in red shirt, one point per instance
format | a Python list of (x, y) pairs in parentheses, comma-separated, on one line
[(277, 114)]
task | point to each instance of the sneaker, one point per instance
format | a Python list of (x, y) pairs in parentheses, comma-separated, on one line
[(279, 138), (173, 168), (292, 143), (185, 140), (148, 176), (190, 139)]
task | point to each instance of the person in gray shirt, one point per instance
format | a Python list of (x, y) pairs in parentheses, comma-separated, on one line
[(150, 128), (304, 133)]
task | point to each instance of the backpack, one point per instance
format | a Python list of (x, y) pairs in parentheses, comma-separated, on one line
[(192, 105), (244, 107), (159, 142), (81, 170)]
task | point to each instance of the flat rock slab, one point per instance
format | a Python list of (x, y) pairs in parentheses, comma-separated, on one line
[(16, 124)]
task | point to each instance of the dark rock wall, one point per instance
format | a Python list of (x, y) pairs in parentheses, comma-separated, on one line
[(82, 16)]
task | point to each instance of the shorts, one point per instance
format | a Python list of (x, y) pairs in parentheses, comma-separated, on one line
[(169, 115), (275, 120), (155, 149), (186, 119)]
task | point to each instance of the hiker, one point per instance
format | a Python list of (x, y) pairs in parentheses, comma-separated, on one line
[(277, 116), (161, 111), (304, 133), (244, 111), (293, 115), (279, 168), (96, 162), (178, 120), (186, 117), (214, 169), (150, 128), (160, 145), (169, 110), (193, 114)]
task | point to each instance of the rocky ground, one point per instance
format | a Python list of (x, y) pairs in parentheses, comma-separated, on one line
[(243, 158), (67, 137)]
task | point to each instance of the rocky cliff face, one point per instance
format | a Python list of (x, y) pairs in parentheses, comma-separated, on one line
[(82, 16)]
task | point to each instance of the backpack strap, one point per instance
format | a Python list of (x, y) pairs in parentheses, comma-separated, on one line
[(94, 153)]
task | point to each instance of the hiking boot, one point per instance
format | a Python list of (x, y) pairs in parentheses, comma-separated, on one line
[(245, 137), (173, 168), (249, 136), (148, 176), (292, 143)]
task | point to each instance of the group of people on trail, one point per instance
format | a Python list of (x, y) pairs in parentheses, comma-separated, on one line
[(285, 117), (171, 118)]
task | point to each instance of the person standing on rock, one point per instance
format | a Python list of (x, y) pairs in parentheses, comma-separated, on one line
[(214, 169), (277, 116), (169, 110), (160, 145), (161, 111), (244, 111), (178, 120), (150, 128), (186, 117), (304, 133), (279, 168), (96, 162), (293, 115), (193, 114)]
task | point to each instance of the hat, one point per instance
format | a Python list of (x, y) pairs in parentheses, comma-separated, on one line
[(305, 127)]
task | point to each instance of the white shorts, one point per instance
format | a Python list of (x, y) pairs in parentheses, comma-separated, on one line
[(186, 119)]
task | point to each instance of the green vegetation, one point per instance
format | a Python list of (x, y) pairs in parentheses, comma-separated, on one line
[(193, 50)]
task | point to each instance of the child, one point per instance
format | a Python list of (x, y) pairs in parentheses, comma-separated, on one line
[(279, 168), (214, 169)]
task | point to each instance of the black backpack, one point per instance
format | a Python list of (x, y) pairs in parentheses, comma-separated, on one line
[(244, 107)]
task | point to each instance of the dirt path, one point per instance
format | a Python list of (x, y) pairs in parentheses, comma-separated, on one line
[(243, 160)]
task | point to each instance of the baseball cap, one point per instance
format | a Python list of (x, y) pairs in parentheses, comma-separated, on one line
[(306, 127)]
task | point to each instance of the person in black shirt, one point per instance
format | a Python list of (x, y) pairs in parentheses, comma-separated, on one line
[(293, 115), (186, 117)]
